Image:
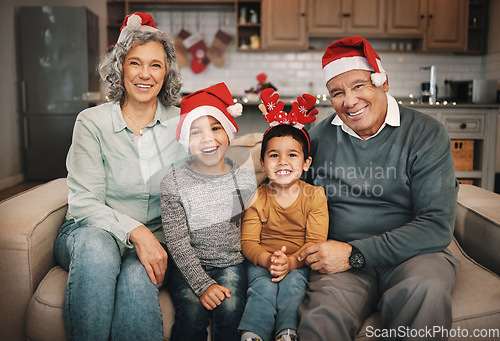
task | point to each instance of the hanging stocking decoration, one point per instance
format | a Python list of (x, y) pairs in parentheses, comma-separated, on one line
[(216, 51), (180, 50), (196, 45)]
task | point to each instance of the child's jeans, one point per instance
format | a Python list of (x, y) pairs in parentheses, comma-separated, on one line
[(192, 319), (272, 306)]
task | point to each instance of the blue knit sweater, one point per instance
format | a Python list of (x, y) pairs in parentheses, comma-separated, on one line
[(393, 196)]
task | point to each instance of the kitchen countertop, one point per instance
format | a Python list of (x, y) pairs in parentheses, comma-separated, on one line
[(325, 102)]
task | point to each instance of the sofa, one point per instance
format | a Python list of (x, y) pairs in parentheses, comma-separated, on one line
[(32, 284)]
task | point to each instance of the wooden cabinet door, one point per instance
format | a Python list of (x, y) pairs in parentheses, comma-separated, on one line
[(446, 25), (366, 17), (406, 18), (345, 17), (325, 17), (284, 24)]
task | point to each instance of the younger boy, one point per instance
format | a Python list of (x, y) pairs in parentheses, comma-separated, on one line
[(202, 202), (287, 215)]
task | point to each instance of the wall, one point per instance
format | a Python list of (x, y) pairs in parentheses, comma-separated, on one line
[(290, 72)]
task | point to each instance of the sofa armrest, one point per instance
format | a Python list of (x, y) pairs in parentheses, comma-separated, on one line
[(477, 225), (28, 228)]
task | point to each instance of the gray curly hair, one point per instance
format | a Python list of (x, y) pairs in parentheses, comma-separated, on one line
[(111, 67)]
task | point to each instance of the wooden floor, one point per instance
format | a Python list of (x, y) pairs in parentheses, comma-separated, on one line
[(11, 191)]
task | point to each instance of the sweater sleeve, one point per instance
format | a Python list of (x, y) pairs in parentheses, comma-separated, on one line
[(178, 240), (434, 190), (317, 220), (251, 227)]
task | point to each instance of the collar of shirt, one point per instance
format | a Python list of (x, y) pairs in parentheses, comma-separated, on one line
[(392, 118), (163, 115)]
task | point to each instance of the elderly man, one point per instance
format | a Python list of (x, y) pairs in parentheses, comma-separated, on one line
[(388, 174)]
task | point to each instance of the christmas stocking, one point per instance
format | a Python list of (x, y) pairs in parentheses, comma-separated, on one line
[(180, 50), (216, 51), (196, 45)]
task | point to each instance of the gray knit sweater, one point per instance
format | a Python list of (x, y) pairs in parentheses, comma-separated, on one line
[(200, 215)]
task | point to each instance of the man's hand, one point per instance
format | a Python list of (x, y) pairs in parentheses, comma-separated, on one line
[(214, 295), (327, 257), (280, 265), (150, 253)]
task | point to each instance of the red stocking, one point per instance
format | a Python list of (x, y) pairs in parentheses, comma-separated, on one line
[(196, 45)]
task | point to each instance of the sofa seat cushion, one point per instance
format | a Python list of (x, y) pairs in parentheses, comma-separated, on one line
[(44, 319), (476, 295)]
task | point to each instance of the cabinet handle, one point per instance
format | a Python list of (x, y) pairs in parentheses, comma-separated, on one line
[(346, 15), (463, 125), (431, 16)]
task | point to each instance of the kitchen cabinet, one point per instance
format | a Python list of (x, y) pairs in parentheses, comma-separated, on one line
[(446, 25), (328, 18), (474, 123), (405, 18), (284, 24)]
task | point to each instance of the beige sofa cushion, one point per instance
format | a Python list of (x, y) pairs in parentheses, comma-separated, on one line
[(245, 151), (45, 314), (28, 227)]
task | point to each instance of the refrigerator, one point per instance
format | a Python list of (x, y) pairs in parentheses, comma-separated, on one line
[(57, 51)]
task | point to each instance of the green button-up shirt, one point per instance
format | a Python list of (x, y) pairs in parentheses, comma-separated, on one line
[(113, 176)]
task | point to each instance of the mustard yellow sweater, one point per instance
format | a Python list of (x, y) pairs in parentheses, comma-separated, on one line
[(267, 227)]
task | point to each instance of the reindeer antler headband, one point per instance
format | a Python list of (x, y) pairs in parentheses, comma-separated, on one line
[(298, 117)]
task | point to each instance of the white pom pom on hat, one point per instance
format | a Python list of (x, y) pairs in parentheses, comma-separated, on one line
[(137, 21), (352, 53), (215, 101)]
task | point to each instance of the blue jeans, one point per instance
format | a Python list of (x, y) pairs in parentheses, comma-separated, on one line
[(107, 296), (192, 319), (272, 306)]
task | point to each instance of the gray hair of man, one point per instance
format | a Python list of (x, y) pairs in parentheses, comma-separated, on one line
[(111, 66)]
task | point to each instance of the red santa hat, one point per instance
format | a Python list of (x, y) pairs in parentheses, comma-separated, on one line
[(352, 53), (137, 21), (215, 101)]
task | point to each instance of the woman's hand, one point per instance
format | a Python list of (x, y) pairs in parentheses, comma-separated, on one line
[(214, 295), (150, 253)]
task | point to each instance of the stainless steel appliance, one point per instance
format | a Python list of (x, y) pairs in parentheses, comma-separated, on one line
[(484, 90), (473, 91), (57, 56)]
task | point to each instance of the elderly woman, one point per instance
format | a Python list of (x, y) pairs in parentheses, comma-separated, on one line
[(112, 242)]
